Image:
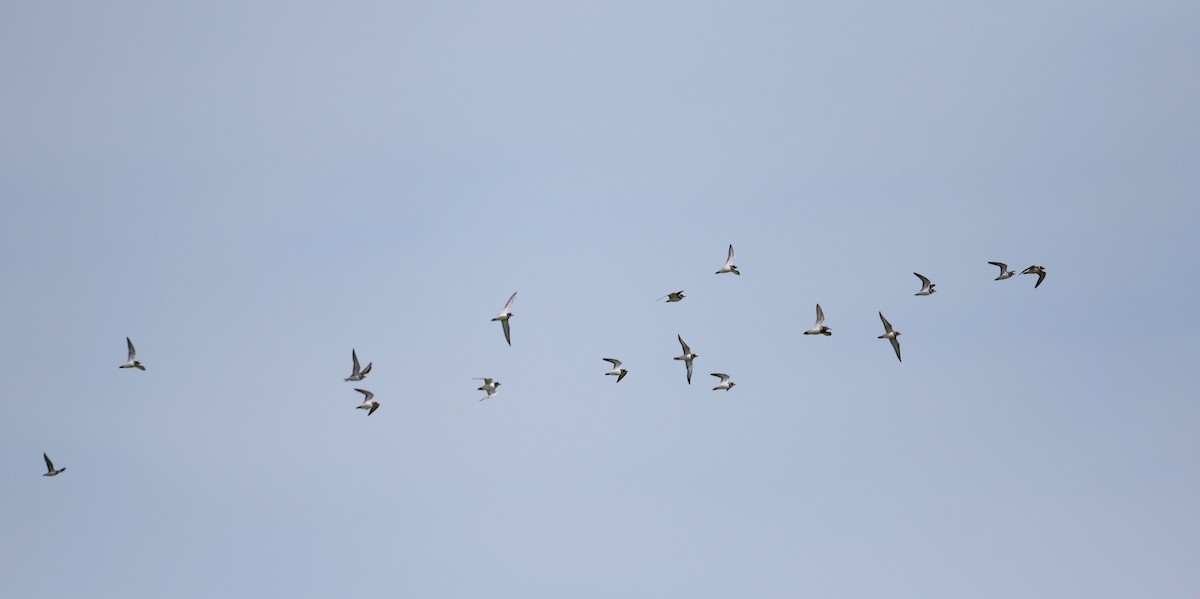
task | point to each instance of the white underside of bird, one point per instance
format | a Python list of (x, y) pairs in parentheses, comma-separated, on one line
[(820, 328), (503, 317), (725, 383), (369, 403), (133, 362)]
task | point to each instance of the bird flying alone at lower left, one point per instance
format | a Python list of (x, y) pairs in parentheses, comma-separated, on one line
[(503, 317), (50, 470), (133, 361)]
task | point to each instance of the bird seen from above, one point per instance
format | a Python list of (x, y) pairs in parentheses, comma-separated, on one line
[(674, 297), (1040, 271), (729, 265), (133, 361), (50, 471), (503, 317), (1005, 273), (356, 374), (616, 371), (891, 335), (369, 402), (725, 383), (820, 328), (927, 288), (687, 357)]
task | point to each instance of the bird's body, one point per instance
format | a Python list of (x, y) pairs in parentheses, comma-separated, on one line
[(820, 328), (616, 371), (687, 358), (369, 402), (50, 470), (503, 317), (489, 386), (729, 266), (927, 288), (1040, 271), (1005, 273), (674, 297), (356, 374), (891, 335), (725, 383), (133, 361)]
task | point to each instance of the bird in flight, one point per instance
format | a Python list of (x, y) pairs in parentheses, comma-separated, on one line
[(503, 317), (687, 358), (1040, 271), (927, 288), (1004, 271), (133, 362), (489, 386), (356, 374), (729, 266), (50, 471), (674, 297), (369, 402), (725, 383), (616, 371), (819, 328), (890, 335)]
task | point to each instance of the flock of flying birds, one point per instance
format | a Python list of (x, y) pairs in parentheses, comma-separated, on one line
[(491, 386)]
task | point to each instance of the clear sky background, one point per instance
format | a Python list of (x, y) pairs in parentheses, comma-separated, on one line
[(251, 189)]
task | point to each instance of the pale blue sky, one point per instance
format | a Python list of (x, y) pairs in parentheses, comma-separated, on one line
[(250, 190)]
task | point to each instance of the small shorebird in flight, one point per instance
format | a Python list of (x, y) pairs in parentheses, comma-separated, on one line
[(890, 335), (503, 317), (674, 297), (725, 383), (927, 288), (489, 386), (616, 371), (820, 328), (687, 357), (369, 402), (729, 266), (1040, 271), (50, 471), (133, 362), (1004, 271), (357, 375)]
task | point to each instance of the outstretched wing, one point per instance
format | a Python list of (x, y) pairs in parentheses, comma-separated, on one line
[(896, 346), (508, 305), (49, 464), (686, 350), (689, 367), (507, 330), (354, 356), (368, 395), (887, 326), (615, 362), (820, 316), (132, 352), (1003, 266)]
